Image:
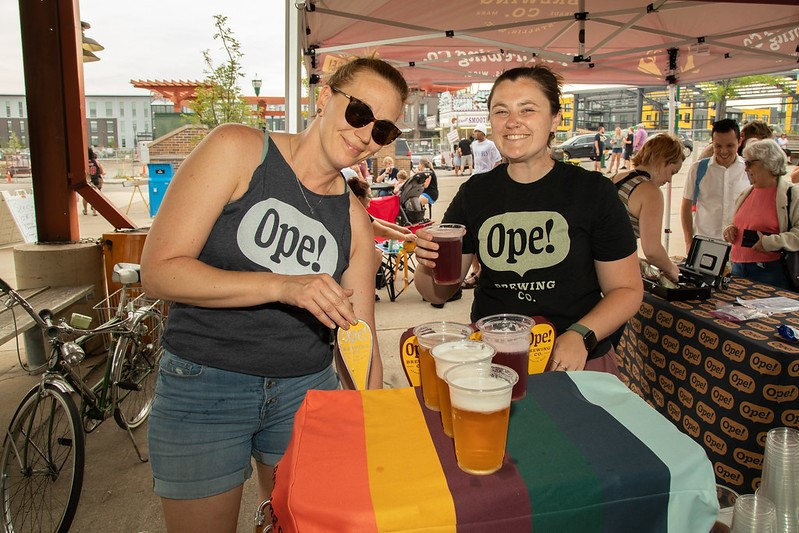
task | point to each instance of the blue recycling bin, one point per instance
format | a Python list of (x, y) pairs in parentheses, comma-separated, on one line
[(160, 176)]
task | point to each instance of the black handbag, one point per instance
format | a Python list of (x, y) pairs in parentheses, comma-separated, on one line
[(790, 260)]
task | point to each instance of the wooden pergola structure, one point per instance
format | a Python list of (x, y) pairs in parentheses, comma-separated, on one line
[(179, 92)]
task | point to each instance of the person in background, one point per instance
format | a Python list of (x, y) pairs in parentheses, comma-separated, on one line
[(553, 239), (389, 173), (466, 155), (762, 226), (430, 193), (639, 190), (264, 252), (715, 184), (599, 149), (456, 159), (96, 175), (628, 148), (484, 152), (754, 130), (402, 177), (782, 140), (639, 139), (616, 148)]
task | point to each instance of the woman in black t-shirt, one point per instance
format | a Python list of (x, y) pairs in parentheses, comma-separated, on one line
[(552, 239)]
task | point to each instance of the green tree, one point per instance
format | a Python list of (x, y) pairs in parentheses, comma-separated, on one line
[(719, 92), (220, 100), (14, 144)]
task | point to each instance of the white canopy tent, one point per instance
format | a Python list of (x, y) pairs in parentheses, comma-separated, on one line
[(632, 42)]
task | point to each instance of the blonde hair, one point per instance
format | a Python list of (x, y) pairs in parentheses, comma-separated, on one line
[(346, 73), (402, 175)]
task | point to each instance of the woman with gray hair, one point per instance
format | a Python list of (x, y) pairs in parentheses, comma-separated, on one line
[(762, 225)]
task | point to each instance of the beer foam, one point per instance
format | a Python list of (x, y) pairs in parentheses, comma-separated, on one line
[(459, 352), (479, 402)]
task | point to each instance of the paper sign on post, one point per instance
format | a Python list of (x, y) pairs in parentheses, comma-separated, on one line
[(355, 347)]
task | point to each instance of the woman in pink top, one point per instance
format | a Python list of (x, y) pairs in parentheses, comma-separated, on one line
[(762, 225)]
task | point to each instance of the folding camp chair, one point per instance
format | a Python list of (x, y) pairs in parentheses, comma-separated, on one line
[(411, 210)]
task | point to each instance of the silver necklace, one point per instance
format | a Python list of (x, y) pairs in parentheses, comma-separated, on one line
[(299, 185)]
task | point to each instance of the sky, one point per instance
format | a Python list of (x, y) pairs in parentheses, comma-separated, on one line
[(164, 40)]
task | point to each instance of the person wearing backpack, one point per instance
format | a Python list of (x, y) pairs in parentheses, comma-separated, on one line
[(96, 175), (713, 184)]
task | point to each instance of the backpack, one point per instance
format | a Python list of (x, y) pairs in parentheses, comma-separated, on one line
[(700, 173), (92, 168)]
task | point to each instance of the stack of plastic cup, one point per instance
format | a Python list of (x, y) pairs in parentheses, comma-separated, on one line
[(780, 481), (727, 498), (754, 514)]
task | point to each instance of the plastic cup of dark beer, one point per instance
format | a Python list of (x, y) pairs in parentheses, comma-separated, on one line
[(451, 354), (449, 238), (480, 396), (428, 336), (509, 334)]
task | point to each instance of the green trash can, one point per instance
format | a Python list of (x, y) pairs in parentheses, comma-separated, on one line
[(160, 176)]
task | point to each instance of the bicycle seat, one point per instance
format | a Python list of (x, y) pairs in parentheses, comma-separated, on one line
[(126, 273)]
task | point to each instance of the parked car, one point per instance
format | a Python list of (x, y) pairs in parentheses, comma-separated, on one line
[(687, 141), (575, 148)]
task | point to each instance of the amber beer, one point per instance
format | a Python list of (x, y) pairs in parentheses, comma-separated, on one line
[(428, 336), (448, 355), (480, 395)]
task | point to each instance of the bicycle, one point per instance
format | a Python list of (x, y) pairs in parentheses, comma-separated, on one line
[(43, 451)]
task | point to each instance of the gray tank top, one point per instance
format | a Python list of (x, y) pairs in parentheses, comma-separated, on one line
[(625, 188), (269, 229)]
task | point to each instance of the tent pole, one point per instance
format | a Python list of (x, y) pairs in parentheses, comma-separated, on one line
[(673, 130), (293, 71)]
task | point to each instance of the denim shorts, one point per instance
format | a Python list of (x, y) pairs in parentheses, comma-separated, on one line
[(206, 423)]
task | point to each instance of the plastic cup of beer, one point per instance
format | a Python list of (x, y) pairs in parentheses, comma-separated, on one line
[(428, 336), (449, 238), (480, 395), (509, 334), (448, 355)]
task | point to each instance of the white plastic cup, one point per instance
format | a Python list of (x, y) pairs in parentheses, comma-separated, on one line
[(480, 395), (754, 514), (451, 354), (428, 336), (780, 479)]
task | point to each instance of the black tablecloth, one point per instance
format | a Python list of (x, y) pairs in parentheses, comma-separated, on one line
[(723, 383)]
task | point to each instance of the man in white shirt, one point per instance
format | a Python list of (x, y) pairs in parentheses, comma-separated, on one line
[(723, 179), (484, 152)]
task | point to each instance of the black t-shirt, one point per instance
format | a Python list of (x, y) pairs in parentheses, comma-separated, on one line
[(600, 139), (537, 242), (628, 147), (432, 189), (466, 146)]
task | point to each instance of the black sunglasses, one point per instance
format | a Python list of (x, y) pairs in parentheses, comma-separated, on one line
[(359, 114), (748, 163)]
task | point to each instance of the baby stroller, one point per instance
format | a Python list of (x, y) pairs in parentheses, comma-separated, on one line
[(411, 210)]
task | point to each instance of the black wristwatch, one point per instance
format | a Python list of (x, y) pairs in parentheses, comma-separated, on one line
[(589, 338)]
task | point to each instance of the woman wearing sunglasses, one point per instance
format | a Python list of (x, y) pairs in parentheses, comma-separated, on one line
[(265, 252), (552, 239), (762, 226)]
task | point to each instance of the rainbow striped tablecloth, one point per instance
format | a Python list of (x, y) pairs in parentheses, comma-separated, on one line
[(584, 455)]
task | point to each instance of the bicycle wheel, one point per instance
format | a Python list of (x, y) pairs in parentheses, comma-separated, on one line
[(42, 461), (136, 359)]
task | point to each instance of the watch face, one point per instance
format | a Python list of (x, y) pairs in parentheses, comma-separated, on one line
[(589, 339)]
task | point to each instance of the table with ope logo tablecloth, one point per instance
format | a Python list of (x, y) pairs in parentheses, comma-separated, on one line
[(723, 383), (584, 454)]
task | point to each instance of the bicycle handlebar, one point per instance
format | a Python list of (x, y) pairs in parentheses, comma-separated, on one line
[(44, 318)]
